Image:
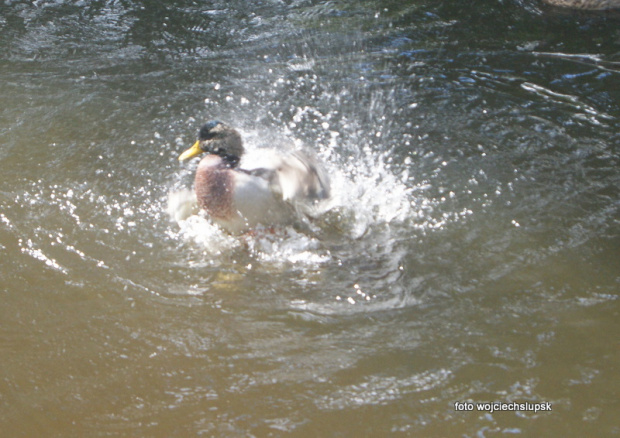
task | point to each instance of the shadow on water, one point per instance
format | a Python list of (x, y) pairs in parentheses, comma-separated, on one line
[(469, 252)]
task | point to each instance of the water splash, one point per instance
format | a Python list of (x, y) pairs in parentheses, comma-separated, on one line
[(366, 193)]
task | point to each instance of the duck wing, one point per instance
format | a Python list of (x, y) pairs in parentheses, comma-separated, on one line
[(299, 177), (255, 202), (294, 177)]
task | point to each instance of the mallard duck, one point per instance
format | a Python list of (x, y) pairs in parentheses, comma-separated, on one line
[(240, 198)]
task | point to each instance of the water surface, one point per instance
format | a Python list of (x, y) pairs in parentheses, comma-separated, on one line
[(470, 252)]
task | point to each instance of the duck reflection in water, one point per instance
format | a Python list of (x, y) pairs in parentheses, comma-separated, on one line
[(239, 199)]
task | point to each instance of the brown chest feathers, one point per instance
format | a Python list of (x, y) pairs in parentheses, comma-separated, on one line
[(214, 187)]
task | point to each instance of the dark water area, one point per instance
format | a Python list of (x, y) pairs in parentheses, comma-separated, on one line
[(470, 252)]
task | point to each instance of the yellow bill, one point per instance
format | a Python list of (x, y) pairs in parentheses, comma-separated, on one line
[(191, 152)]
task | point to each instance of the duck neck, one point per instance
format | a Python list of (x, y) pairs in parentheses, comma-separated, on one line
[(231, 161)]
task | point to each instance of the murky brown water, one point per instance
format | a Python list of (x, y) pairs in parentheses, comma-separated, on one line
[(470, 254)]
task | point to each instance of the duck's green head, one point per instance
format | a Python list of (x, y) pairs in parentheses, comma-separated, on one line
[(216, 138)]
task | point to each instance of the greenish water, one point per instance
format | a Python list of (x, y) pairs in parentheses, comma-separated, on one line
[(470, 253)]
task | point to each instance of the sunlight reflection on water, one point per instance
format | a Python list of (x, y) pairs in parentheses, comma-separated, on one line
[(469, 251)]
